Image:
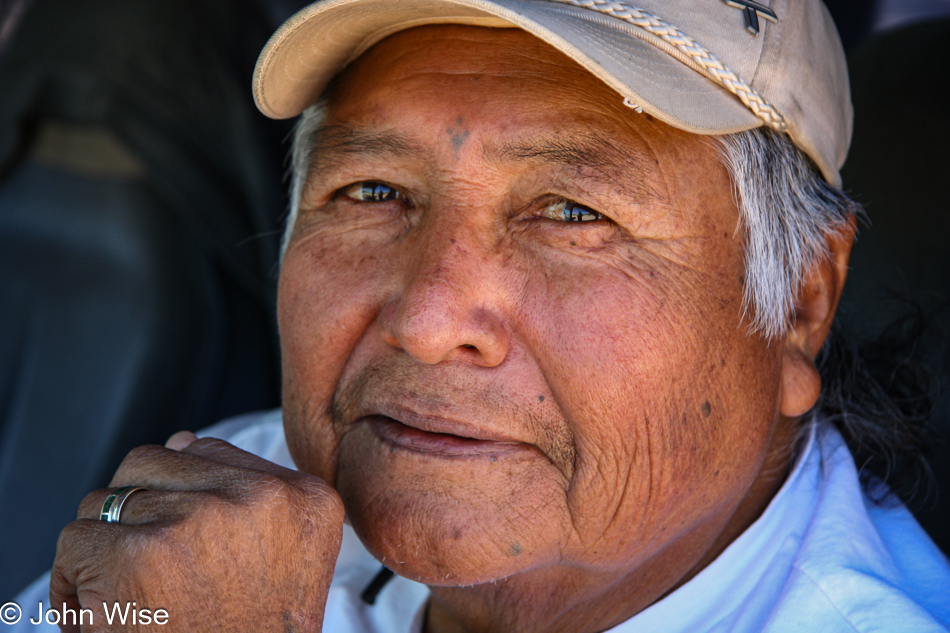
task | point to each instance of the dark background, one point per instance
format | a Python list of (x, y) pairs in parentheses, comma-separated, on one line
[(141, 196)]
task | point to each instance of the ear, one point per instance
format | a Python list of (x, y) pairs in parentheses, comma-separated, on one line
[(815, 309)]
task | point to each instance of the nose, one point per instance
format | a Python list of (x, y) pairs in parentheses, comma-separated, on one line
[(449, 305)]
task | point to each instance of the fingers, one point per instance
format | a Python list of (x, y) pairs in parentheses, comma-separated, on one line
[(230, 456), (184, 540), (80, 563), (211, 467), (157, 467), (144, 506), (106, 567), (180, 440), (202, 464), (77, 544), (226, 453), (272, 542)]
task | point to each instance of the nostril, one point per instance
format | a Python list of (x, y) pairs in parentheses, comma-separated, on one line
[(467, 346)]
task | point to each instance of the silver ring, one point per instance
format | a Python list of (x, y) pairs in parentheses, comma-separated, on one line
[(112, 506)]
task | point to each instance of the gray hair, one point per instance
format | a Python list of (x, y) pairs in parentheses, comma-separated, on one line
[(787, 212), (306, 133)]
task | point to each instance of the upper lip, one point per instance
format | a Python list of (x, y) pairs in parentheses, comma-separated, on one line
[(439, 423)]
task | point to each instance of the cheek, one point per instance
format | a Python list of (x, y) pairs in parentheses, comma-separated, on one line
[(647, 363), (328, 296)]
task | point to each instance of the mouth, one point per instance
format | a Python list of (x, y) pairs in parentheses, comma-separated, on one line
[(437, 443)]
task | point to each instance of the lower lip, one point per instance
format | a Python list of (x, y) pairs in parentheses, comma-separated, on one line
[(438, 444)]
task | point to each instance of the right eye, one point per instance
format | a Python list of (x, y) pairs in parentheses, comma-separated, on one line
[(372, 192), (569, 211)]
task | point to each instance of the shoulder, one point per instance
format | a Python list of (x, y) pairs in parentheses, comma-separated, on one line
[(863, 566)]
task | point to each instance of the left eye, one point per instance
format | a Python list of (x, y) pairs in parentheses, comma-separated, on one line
[(569, 211), (372, 192)]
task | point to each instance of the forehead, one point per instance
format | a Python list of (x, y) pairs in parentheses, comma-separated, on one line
[(509, 52), (521, 95), (469, 61)]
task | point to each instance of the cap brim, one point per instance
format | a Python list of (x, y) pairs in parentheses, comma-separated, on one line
[(319, 41)]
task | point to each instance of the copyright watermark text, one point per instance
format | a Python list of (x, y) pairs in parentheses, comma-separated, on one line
[(10, 613), (114, 613)]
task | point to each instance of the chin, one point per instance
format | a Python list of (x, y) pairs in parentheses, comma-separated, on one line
[(436, 545), (451, 524)]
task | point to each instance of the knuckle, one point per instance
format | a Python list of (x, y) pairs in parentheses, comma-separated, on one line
[(79, 542), (209, 447), (143, 453), (91, 504), (208, 442), (319, 493), (209, 513), (262, 490), (67, 535), (208, 506), (237, 486)]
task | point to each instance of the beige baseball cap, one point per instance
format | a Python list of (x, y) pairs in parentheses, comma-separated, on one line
[(704, 66)]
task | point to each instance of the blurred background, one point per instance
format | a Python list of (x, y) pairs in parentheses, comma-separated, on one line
[(141, 199)]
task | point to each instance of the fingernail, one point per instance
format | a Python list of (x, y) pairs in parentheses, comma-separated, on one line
[(180, 440)]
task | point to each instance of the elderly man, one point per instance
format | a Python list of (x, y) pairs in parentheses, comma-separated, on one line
[(554, 284)]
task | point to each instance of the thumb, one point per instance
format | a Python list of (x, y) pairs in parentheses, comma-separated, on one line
[(180, 440)]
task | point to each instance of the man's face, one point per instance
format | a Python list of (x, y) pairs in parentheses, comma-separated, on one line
[(510, 315)]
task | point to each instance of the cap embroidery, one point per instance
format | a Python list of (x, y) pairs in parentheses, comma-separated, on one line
[(630, 104), (694, 56), (752, 12)]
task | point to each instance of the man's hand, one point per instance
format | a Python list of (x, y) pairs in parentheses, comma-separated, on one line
[(222, 540)]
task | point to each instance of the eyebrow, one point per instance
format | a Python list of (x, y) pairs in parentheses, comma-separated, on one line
[(334, 142), (627, 167), (589, 150)]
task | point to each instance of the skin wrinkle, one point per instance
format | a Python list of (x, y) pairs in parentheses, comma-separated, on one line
[(615, 516), (347, 402), (660, 307), (588, 155), (475, 306), (344, 140), (613, 510)]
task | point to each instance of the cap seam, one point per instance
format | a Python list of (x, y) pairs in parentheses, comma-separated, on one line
[(769, 26)]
